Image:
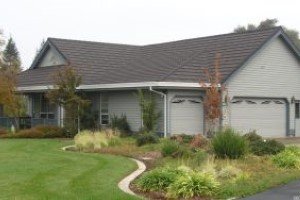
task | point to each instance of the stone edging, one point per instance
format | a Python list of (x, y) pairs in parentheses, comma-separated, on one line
[(125, 182)]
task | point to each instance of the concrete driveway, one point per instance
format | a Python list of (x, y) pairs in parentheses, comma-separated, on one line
[(290, 191)]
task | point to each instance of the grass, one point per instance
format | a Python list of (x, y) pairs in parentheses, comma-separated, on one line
[(38, 169)]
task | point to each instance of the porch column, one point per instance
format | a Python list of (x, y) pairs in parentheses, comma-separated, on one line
[(60, 115)]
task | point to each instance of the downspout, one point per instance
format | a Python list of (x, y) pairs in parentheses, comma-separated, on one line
[(165, 108)]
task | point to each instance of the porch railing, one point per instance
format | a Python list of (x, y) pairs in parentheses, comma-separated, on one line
[(26, 122)]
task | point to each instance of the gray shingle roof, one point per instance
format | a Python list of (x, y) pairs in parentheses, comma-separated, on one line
[(178, 61)]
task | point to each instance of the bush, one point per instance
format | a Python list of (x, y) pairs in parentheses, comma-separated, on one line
[(158, 179), (199, 157), (194, 184), (268, 147), (146, 138), (229, 144), (3, 131), (182, 138), (252, 137), (121, 124), (199, 141), (170, 147), (260, 147), (39, 132), (289, 158)]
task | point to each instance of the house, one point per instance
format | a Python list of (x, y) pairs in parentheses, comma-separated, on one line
[(261, 71)]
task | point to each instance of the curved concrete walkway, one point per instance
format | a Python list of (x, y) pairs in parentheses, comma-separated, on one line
[(124, 184)]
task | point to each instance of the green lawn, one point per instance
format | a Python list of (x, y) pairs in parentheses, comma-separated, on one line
[(39, 169)]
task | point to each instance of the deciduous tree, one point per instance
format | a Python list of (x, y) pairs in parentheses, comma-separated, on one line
[(213, 96), (64, 93), (13, 103)]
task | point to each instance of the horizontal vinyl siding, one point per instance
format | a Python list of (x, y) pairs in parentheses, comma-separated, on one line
[(125, 102), (273, 72)]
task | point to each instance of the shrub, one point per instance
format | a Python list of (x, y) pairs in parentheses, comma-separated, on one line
[(229, 144), (51, 131), (158, 179), (260, 147), (3, 131), (170, 147), (182, 138), (40, 131), (193, 184), (28, 133), (198, 141), (252, 136), (289, 158), (146, 138), (121, 124), (268, 147)]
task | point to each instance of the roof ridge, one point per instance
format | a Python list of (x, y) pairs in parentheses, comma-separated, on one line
[(147, 45), (217, 35), (89, 41)]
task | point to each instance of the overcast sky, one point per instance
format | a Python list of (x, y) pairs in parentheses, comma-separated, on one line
[(133, 21)]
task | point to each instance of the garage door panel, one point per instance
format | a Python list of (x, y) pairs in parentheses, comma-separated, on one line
[(267, 117), (186, 115)]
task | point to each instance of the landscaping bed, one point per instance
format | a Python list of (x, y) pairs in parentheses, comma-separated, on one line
[(236, 166)]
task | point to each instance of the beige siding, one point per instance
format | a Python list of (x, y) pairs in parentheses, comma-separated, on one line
[(273, 72)]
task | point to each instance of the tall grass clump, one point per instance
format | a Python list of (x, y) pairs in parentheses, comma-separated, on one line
[(229, 144), (87, 140), (193, 184)]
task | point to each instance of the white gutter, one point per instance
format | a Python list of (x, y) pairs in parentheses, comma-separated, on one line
[(165, 108), (116, 86)]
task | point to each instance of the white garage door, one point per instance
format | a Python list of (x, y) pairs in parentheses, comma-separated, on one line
[(186, 115), (266, 116)]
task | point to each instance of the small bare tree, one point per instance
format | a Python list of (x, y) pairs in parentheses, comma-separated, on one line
[(213, 96), (65, 94)]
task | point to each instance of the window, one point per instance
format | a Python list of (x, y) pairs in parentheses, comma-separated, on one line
[(47, 109), (104, 109), (297, 111)]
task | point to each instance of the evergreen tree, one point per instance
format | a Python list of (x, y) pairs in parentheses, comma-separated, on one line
[(270, 23), (11, 56)]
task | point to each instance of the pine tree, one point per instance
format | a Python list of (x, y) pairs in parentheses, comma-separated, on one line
[(11, 57)]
